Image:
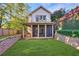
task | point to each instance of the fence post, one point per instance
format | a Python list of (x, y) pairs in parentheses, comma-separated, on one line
[(2, 31)]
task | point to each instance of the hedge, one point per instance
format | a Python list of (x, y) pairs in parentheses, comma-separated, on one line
[(71, 33)]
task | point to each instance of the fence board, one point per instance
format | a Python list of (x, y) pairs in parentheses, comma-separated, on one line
[(7, 32)]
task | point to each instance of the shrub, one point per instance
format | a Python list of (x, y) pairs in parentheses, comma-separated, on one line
[(71, 33)]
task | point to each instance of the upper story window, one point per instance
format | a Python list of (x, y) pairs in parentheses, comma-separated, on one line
[(40, 17)]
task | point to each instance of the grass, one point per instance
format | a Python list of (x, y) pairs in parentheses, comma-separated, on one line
[(41, 48), (2, 37)]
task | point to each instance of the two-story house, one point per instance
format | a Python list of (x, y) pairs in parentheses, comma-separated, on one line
[(39, 24)]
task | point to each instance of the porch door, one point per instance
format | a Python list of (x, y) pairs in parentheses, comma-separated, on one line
[(41, 30), (49, 31), (35, 31)]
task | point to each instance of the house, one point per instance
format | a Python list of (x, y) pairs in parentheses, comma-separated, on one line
[(39, 24), (69, 15)]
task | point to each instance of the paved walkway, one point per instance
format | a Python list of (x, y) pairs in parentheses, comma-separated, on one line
[(8, 42)]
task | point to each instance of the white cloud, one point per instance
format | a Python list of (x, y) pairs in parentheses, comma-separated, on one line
[(66, 6), (54, 6)]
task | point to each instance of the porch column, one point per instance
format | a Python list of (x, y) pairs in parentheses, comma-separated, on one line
[(45, 30), (52, 30), (38, 30), (31, 30)]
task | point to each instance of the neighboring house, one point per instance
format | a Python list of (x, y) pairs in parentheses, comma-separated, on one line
[(69, 15), (39, 24)]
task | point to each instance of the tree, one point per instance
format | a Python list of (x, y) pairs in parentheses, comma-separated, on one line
[(57, 14), (71, 24), (17, 15), (22, 13), (0, 17), (5, 11), (2, 14)]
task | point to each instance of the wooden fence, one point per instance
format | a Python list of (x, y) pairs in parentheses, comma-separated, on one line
[(7, 32)]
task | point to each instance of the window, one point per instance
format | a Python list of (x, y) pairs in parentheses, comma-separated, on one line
[(44, 17), (37, 18), (40, 17)]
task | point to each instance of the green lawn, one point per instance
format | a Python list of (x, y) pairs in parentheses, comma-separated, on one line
[(40, 48), (2, 37)]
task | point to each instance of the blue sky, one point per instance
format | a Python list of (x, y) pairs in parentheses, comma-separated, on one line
[(53, 6)]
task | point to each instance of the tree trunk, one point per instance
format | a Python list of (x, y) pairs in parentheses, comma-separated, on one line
[(23, 32)]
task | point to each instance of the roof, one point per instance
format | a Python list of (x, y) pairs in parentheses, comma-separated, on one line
[(70, 14), (38, 9)]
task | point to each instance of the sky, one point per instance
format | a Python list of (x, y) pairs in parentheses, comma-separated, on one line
[(53, 6)]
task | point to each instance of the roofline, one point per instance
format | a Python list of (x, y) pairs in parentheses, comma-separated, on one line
[(38, 9), (61, 19)]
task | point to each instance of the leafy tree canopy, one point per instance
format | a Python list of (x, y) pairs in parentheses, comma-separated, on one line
[(72, 23), (15, 15), (57, 14)]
